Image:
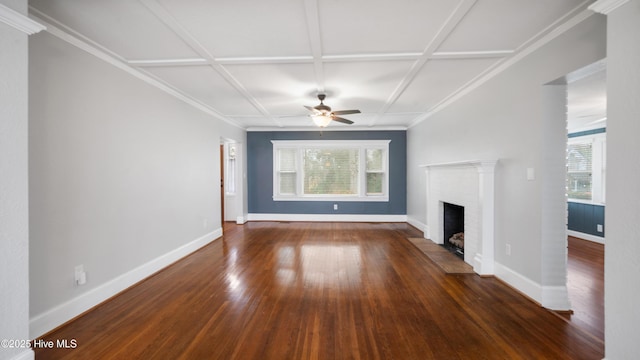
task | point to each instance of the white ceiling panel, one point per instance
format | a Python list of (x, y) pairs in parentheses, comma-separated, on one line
[(296, 121), (248, 28), (258, 62), (437, 80), (123, 26), (282, 88), (504, 24), (374, 26), (206, 85), (587, 102), (362, 85)]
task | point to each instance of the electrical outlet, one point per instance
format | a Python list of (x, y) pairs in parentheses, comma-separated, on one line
[(79, 275), (335, 206), (531, 174), (507, 249), (599, 228)]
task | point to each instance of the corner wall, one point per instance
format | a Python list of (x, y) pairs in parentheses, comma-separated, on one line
[(14, 201), (622, 288), (124, 179), (260, 175), (505, 118)]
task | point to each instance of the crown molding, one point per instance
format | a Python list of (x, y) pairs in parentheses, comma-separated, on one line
[(19, 21), (326, 129), (543, 38), (606, 6)]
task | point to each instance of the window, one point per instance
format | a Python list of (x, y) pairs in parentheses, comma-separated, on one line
[(579, 161), (230, 182), (375, 171), (287, 172), (331, 170), (586, 168)]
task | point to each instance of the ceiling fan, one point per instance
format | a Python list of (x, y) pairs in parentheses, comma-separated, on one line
[(322, 114)]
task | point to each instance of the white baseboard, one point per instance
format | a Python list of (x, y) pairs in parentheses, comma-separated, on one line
[(327, 217), (598, 239), (418, 225), (519, 282), (241, 220), (549, 297), (27, 354), (49, 320)]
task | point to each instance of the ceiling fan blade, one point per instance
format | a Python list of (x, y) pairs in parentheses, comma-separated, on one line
[(342, 120), (310, 108), (346, 112)]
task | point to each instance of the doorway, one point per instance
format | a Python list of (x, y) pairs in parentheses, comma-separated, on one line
[(586, 178), (232, 182), (222, 191)]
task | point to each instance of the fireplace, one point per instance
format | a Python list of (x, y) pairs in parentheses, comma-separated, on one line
[(453, 228), (467, 184)]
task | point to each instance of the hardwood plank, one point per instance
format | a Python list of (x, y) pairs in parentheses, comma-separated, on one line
[(585, 284), (448, 262), (318, 291)]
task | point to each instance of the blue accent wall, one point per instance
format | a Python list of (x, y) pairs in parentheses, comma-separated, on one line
[(260, 174), (588, 132), (585, 218)]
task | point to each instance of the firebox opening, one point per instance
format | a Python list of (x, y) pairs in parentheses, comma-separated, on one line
[(453, 228)]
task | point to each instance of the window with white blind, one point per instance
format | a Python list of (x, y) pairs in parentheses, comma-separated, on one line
[(331, 170), (586, 169)]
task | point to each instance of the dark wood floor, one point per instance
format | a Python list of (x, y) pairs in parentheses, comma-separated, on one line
[(585, 283), (319, 291)]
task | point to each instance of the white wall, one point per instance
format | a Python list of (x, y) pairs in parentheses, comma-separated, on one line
[(14, 215), (622, 287), (505, 119), (124, 179)]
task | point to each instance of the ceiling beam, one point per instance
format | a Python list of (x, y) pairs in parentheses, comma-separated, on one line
[(371, 57), (315, 41), (447, 28), (576, 16), (165, 17), (322, 59), (265, 60), (99, 52), (450, 55), (169, 62)]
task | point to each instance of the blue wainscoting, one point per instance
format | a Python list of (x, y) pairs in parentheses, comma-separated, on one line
[(584, 218), (260, 174)]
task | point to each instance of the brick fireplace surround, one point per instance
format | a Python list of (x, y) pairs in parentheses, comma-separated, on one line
[(469, 184)]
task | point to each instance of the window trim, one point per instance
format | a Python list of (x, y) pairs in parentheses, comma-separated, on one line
[(598, 167), (361, 145)]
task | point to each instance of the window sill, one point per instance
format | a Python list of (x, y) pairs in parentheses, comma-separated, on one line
[(333, 198), (587, 202)]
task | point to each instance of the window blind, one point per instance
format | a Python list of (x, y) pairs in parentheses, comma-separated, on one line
[(579, 170), (331, 171)]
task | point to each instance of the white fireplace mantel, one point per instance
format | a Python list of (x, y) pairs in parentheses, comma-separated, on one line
[(478, 163), (483, 200)]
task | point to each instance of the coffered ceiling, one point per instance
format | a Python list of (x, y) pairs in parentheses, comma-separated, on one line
[(255, 63)]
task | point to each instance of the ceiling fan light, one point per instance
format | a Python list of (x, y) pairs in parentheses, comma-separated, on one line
[(321, 120)]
